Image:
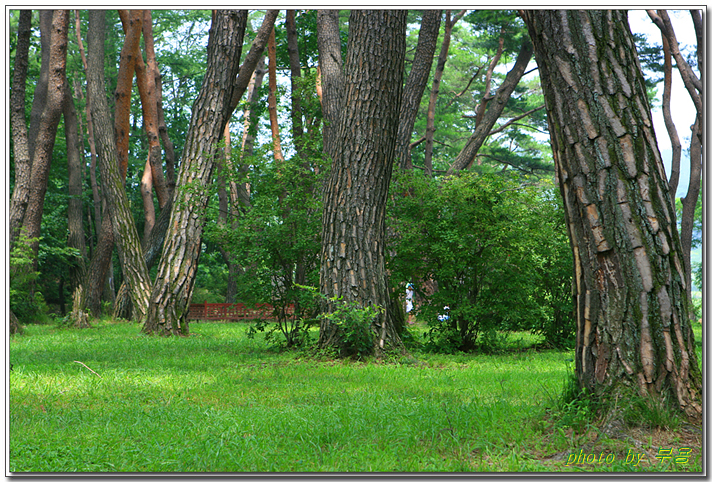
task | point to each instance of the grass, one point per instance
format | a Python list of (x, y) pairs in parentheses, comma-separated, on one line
[(217, 401)]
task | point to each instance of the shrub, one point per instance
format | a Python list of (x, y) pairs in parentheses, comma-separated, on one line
[(491, 249)]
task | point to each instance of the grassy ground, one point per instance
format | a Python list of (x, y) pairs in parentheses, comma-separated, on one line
[(108, 399)]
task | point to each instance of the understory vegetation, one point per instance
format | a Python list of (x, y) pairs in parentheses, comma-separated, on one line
[(108, 399)]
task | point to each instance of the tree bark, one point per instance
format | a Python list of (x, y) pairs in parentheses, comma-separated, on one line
[(353, 221), (669, 124), (47, 129), (296, 74), (689, 203), (75, 167), (272, 98), (18, 122), (168, 308), (434, 91), (632, 312), (125, 235), (415, 85), (39, 99), (495, 108), (330, 65), (124, 82)]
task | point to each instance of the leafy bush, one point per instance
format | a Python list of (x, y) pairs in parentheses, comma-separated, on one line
[(493, 251), (27, 304), (277, 240), (356, 326)]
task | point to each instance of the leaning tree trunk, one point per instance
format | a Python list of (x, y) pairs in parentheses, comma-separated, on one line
[(633, 328), (125, 235), (415, 85), (46, 131), (18, 122), (168, 309), (353, 222)]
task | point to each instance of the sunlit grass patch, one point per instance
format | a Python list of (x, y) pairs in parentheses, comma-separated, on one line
[(217, 401)]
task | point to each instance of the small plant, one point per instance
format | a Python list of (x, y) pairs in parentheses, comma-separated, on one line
[(356, 325)]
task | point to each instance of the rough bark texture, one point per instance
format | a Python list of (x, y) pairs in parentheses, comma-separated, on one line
[(18, 122), (633, 326), (168, 307), (353, 222), (39, 98), (415, 85), (47, 128), (330, 65), (494, 110), (125, 235)]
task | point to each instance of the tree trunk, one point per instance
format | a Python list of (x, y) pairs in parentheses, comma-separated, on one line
[(145, 81), (168, 308), (415, 85), (272, 98), (495, 108), (296, 73), (330, 65), (125, 235), (689, 203), (124, 82), (18, 122), (632, 312), (434, 91), (669, 124), (75, 167), (353, 222), (47, 129), (39, 99)]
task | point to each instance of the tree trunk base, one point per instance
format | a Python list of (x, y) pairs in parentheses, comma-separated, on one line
[(79, 317), (15, 326)]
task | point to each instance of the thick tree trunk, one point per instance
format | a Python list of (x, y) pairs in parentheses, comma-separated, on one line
[(168, 308), (353, 222), (330, 65), (125, 234), (495, 108), (415, 85), (39, 99), (632, 312), (47, 128), (18, 122)]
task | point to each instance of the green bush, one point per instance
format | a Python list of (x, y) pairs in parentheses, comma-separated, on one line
[(356, 327), (491, 249), (27, 304)]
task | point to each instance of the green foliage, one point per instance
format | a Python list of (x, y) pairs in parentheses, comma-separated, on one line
[(27, 303), (277, 239), (356, 326), (497, 251)]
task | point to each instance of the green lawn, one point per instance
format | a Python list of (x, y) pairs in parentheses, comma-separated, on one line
[(217, 401)]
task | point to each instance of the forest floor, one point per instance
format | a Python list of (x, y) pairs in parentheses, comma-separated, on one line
[(109, 399)]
